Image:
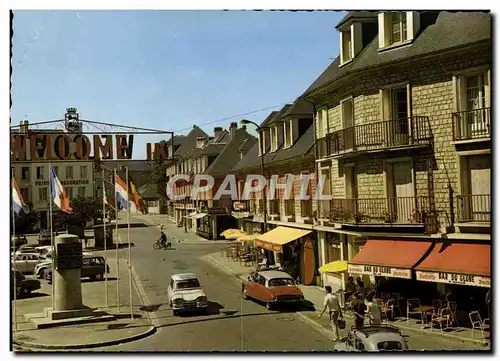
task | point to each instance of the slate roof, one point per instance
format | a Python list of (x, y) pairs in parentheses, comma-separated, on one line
[(190, 141), (303, 146), (229, 155), (440, 31), (299, 107), (246, 145), (281, 113)]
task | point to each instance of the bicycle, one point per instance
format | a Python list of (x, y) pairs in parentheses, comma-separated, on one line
[(158, 245)]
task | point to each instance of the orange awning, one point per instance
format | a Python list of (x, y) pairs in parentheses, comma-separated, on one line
[(388, 258), (277, 237), (457, 263)]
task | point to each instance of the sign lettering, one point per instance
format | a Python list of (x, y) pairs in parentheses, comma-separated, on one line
[(382, 271), (454, 278)]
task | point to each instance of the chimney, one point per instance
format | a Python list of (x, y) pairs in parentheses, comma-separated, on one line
[(200, 142), (232, 129), (217, 132), (23, 126)]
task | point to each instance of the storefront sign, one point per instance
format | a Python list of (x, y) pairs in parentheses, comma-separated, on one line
[(454, 278), (268, 246), (69, 182), (379, 271)]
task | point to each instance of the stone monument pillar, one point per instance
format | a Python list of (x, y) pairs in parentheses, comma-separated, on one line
[(67, 276)]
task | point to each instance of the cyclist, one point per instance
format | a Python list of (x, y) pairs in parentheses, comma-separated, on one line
[(163, 237)]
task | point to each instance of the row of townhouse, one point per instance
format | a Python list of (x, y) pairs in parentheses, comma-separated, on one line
[(399, 124)]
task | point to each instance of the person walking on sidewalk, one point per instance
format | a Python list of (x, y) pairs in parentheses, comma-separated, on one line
[(359, 309), (332, 303), (373, 309)]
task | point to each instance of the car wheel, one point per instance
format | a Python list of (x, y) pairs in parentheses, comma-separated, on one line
[(99, 277), (41, 273), (92, 278), (269, 306), (245, 294)]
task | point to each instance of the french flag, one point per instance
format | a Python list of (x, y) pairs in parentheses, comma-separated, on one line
[(121, 191), (108, 201), (59, 194), (17, 199)]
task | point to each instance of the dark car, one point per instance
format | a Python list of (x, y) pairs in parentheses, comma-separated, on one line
[(44, 237), (93, 267), (24, 286)]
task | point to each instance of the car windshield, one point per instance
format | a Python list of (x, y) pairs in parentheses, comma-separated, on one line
[(390, 346), (182, 285), (275, 282)]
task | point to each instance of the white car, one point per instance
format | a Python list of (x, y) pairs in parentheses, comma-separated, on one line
[(26, 262), (185, 293)]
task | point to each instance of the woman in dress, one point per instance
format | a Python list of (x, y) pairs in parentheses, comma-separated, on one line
[(373, 309)]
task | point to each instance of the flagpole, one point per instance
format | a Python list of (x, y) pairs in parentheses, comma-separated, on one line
[(14, 308), (52, 239), (104, 226), (129, 246), (117, 258)]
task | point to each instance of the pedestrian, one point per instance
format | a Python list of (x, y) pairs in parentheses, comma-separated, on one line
[(350, 288), (332, 303), (359, 309), (361, 286), (373, 309)]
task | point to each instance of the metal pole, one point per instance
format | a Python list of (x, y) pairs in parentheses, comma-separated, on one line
[(129, 247), (105, 241), (185, 217), (261, 142), (13, 264), (52, 240), (117, 258)]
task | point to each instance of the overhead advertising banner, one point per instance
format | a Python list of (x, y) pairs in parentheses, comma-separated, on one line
[(454, 278), (379, 271)]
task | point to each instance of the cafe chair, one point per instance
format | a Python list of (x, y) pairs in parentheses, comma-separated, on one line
[(387, 309), (411, 304), (452, 306), (479, 324), (437, 306), (443, 317)]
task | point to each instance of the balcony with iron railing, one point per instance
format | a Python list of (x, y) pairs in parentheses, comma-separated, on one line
[(402, 133), (474, 208), (394, 210), (472, 124)]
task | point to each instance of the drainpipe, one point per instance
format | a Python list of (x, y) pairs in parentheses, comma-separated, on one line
[(315, 147)]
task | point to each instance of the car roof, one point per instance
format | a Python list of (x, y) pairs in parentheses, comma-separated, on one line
[(184, 276), (379, 333), (274, 274)]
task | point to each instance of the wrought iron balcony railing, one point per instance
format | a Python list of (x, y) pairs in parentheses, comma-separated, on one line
[(402, 210), (380, 135), (474, 208), (472, 124)]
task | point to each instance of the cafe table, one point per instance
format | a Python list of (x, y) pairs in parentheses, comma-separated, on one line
[(423, 310)]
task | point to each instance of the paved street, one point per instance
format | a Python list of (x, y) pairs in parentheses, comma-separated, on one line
[(232, 324)]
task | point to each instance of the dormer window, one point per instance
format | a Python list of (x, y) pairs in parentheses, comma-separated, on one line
[(346, 46), (274, 139), (397, 28), (287, 129)]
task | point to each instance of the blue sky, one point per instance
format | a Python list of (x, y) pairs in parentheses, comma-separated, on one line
[(165, 69)]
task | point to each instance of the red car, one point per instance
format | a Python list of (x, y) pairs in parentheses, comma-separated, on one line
[(272, 287)]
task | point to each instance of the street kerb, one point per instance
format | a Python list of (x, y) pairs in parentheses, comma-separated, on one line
[(143, 296)]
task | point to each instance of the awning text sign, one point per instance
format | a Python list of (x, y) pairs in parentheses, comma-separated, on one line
[(382, 271), (268, 246), (454, 278)]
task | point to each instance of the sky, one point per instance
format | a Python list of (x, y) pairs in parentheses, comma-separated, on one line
[(163, 69)]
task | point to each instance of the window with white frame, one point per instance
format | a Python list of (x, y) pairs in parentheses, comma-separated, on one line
[(81, 191), (274, 139), (397, 27), (83, 172), (69, 191), (346, 48), (42, 193), (25, 173), (322, 123), (39, 173), (69, 172), (288, 134), (395, 110), (347, 110)]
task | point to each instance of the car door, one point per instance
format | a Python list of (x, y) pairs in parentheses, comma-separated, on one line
[(31, 262), (21, 263), (259, 288), (85, 271)]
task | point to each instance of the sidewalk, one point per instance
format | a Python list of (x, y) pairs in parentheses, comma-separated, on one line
[(121, 328), (315, 295), (178, 232)]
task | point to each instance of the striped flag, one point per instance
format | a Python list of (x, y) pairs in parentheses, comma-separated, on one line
[(136, 203), (59, 194), (108, 201), (17, 199), (121, 191)]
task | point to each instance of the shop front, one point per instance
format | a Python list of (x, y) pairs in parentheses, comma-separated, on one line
[(294, 249), (461, 273), (331, 250), (389, 264)]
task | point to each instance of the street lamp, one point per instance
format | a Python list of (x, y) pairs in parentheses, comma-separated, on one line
[(262, 170)]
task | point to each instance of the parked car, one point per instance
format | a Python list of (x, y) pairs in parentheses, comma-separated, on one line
[(26, 262), (18, 241), (47, 263), (24, 286), (93, 267), (373, 338), (272, 287), (186, 294)]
